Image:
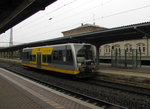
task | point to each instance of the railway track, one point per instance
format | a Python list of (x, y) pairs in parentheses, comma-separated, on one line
[(92, 100), (82, 94), (120, 86)]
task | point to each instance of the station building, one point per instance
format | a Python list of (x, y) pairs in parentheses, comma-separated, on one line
[(84, 28), (142, 45)]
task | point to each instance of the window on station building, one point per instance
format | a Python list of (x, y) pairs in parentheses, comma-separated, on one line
[(112, 47), (141, 48), (107, 50), (128, 48), (117, 47)]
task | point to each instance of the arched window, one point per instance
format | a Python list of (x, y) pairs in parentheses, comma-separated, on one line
[(107, 50), (128, 47), (141, 48), (117, 47)]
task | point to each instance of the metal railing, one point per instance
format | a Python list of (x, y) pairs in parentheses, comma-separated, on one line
[(126, 59)]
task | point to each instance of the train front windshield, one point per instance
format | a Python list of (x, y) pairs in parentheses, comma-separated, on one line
[(84, 53)]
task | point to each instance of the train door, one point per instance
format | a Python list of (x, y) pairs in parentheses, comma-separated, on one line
[(39, 60)]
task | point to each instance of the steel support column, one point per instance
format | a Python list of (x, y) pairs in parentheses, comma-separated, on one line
[(97, 54), (20, 53)]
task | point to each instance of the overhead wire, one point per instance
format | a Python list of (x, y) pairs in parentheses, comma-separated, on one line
[(118, 13), (126, 11), (77, 13), (122, 12), (60, 13), (102, 17), (46, 14)]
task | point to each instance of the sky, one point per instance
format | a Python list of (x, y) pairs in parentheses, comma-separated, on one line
[(64, 15)]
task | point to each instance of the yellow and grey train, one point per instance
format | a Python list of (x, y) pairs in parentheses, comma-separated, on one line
[(72, 58)]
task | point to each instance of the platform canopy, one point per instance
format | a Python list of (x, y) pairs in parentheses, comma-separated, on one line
[(13, 12), (130, 32)]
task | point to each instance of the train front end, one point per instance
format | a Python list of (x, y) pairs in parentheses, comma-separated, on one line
[(85, 58)]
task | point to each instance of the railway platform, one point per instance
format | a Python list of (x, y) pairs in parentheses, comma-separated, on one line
[(17, 92), (137, 76)]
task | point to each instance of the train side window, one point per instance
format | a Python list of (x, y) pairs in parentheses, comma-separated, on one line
[(33, 57), (30, 57), (49, 58), (44, 58), (26, 55), (63, 56), (69, 56), (58, 56), (55, 55)]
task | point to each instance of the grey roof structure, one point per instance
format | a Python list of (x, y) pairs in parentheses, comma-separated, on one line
[(136, 31)]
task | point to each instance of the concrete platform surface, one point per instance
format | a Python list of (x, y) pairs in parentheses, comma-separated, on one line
[(137, 76), (17, 92), (144, 71), (11, 98)]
